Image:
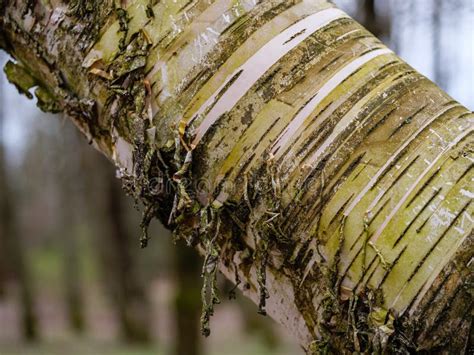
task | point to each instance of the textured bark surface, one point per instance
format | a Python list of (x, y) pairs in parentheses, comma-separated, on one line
[(322, 174)]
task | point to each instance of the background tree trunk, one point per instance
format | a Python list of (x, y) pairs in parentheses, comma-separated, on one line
[(72, 283), (301, 156), (11, 248), (437, 40), (3, 242), (370, 18), (123, 283), (71, 195), (187, 300)]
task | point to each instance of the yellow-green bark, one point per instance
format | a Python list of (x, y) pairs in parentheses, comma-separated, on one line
[(303, 156)]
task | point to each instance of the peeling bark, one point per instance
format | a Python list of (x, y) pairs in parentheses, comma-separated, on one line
[(307, 162)]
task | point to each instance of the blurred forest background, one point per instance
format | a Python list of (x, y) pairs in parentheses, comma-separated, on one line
[(72, 277)]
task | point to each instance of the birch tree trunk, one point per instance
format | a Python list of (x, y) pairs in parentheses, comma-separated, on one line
[(307, 162)]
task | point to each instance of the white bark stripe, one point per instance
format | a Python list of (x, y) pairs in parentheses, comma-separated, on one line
[(440, 264), (328, 87), (391, 159), (421, 176), (383, 191), (254, 68), (428, 277)]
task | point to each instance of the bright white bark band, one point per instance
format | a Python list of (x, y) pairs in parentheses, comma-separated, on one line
[(328, 87), (260, 63)]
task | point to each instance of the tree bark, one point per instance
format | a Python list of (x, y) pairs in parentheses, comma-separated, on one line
[(316, 169)]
